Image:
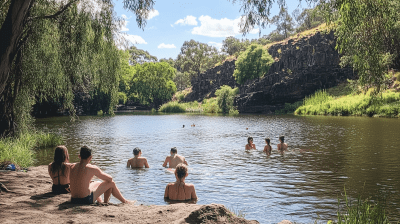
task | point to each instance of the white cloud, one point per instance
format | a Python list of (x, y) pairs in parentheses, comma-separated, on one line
[(215, 44), (166, 46), (218, 28), (153, 13), (135, 39), (188, 20)]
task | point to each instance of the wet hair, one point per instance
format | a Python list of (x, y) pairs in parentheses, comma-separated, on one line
[(136, 151), (282, 138), (85, 152), (174, 150), (267, 140), (181, 170), (60, 156), (249, 138)]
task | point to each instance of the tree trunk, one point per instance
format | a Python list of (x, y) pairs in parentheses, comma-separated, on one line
[(10, 34)]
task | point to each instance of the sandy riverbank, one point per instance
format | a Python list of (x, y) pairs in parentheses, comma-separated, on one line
[(30, 201)]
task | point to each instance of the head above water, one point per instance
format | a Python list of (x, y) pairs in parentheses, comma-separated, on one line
[(61, 154), (282, 138), (136, 151), (249, 139), (85, 152), (267, 140), (181, 170), (174, 150)]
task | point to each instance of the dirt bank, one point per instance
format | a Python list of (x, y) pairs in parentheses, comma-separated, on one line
[(30, 201)]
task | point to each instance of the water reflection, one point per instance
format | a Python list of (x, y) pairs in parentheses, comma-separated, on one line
[(325, 154)]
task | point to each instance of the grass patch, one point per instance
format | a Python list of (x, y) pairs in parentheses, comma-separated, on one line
[(172, 107), (386, 104), (19, 150), (289, 108), (362, 210)]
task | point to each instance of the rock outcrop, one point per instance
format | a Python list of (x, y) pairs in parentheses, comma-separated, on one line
[(300, 69), (205, 84)]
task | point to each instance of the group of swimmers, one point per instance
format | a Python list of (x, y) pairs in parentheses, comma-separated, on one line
[(76, 178), (282, 146)]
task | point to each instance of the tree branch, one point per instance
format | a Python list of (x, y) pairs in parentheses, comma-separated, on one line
[(55, 15)]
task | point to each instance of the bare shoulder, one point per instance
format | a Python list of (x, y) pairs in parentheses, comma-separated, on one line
[(170, 184), (190, 185)]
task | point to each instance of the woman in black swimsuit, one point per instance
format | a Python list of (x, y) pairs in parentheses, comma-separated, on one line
[(59, 170)]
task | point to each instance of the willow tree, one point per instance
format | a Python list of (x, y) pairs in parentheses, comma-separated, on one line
[(56, 50)]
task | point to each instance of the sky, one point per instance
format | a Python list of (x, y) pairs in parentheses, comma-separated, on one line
[(172, 22)]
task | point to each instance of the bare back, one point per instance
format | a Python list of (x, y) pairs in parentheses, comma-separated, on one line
[(80, 176), (59, 177), (180, 191), (282, 146), (174, 160), (137, 162)]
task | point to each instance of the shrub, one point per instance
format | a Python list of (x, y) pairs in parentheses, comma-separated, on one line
[(122, 98), (172, 107), (225, 96)]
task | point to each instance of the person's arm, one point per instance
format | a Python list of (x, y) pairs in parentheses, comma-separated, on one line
[(254, 146), (128, 164), (101, 175), (166, 191), (193, 195), (166, 161), (265, 148), (184, 161), (246, 147), (279, 146), (146, 164)]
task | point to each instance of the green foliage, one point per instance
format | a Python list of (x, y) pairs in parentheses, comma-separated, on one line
[(308, 19), (138, 56), (284, 22), (362, 211), (122, 98), (172, 107), (368, 35), (251, 64), (388, 104), (225, 97), (211, 105), (152, 83), (232, 45), (182, 80), (19, 150), (196, 57), (179, 96)]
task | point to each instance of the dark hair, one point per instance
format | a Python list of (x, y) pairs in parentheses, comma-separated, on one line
[(85, 152), (181, 170), (267, 140), (174, 150), (60, 156), (136, 151), (282, 138), (249, 138)]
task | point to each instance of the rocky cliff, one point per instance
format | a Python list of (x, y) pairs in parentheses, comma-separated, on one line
[(301, 67), (205, 84)]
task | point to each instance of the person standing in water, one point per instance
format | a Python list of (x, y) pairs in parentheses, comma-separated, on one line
[(250, 144), (174, 159), (282, 146), (137, 161), (180, 191), (267, 148)]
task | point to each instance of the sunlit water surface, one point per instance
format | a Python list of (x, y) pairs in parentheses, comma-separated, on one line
[(325, 155)]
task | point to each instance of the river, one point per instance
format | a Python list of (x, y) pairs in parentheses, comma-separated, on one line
[(326, 154)]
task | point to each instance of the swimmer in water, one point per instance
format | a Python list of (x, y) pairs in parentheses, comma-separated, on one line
[(250, 144), (137, 161), (180, 191), (267, 148), (174, 159), (282, 146)]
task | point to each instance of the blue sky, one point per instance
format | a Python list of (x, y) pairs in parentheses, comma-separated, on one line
[(175, 21)]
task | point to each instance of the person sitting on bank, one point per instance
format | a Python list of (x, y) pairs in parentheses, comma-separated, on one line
[(59, 170), (180, 191), (137, 161), (174, 159), (250, 144), (282, 146), (83, 191)]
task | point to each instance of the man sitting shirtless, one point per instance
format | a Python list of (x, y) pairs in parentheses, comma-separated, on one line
[(137, 161), (174, 159), (83, 191)]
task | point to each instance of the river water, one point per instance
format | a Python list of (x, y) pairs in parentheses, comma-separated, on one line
[(326, 155)]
